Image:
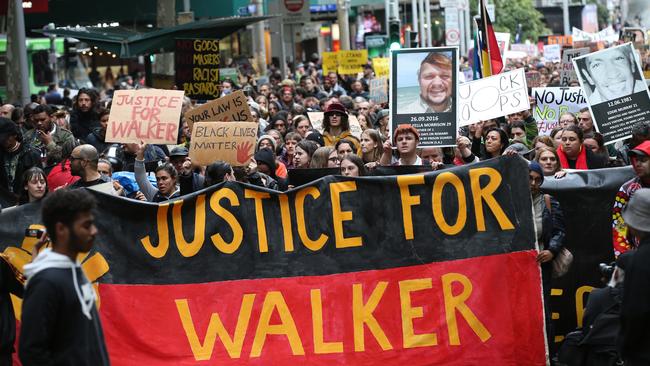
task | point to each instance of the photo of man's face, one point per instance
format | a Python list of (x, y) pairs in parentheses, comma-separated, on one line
[(434, 81), (611, 73)]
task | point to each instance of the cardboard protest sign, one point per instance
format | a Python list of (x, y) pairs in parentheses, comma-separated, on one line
[(616, 90), (238, 274), (232, 107), (381, 65), (551, 102), (567, 72), (533, 79), (552, 52), (351, 62), (492, 97), (378, 90), (149, 115), (330, 62), (424, 85), (197, 67), (231, 142)]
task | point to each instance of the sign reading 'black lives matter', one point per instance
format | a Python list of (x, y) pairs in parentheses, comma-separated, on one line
[(197, 67)]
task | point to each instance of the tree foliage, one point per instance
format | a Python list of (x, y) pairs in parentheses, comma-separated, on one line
[(510, 13)]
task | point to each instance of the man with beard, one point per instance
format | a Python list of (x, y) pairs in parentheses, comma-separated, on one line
[(84, 116), (60, 322), (54, 142), (15, 156), (435, 77), (83, 163)]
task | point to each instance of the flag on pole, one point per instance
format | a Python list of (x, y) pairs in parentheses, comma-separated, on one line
[(491, 62), (476, 64)]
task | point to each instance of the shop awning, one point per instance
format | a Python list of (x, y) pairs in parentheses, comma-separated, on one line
[(128, 43)]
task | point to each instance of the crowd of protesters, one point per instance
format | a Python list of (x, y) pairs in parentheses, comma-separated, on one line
[(47, 147)]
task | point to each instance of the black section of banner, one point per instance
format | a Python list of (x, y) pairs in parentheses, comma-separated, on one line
[(586, 198), (374, 210)]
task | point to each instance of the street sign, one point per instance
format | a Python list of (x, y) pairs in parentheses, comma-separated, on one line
[(295, 11)]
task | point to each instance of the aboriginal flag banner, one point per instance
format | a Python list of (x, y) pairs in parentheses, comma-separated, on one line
[(419, 270)]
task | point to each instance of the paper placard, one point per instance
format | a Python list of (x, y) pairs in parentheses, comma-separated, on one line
[(231, 142), (197, 67), (550, 103), (381, 66), (492, 97), (351, 62), (552, 52), (616, 91), (149, 115), (232, 107), (378, 90), (330, 62), (567, 72)]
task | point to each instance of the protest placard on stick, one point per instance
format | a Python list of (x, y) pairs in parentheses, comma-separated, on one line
[(232, 107), (492, 97), (551, 102), (379, 90), (616, 91), (149, 115), (567, 72), (231, 142)]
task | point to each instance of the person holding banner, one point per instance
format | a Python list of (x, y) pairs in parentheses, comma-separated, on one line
[(407, 138), (573, 154)]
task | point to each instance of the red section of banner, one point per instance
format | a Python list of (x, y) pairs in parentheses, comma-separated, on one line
[(485, 310)]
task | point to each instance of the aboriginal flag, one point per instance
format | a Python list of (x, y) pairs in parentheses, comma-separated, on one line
[(491, 62)]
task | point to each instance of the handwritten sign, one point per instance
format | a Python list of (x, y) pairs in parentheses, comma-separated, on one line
[(149, 115), (330, 62), (550, 103), (233, 143), (552, 52), (232, 107), (381, 66), (379, 90), (567, 72), (492, 97), (528, 49), (351, 62), (564, 41), (197, 67)]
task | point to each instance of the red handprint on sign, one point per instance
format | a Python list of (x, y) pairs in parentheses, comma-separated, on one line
[(243, 152)]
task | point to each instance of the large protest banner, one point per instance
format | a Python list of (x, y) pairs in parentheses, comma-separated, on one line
[(232, 107), (149, 115), (440, 270), (616, 91), (567, 72), (233, 143), (492, 97), (551, 102), (424, 93), (197, 67)]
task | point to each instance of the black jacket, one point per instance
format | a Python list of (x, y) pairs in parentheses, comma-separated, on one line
[(82, 123), (97, 139), (635, 311), (553, 228), (54, 329), (8, 284), (28, 157)]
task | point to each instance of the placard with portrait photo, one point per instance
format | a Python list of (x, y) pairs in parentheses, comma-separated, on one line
[(616, 91), (424, 88)]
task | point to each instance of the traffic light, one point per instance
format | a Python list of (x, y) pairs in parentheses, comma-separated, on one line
[(394, 35)]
